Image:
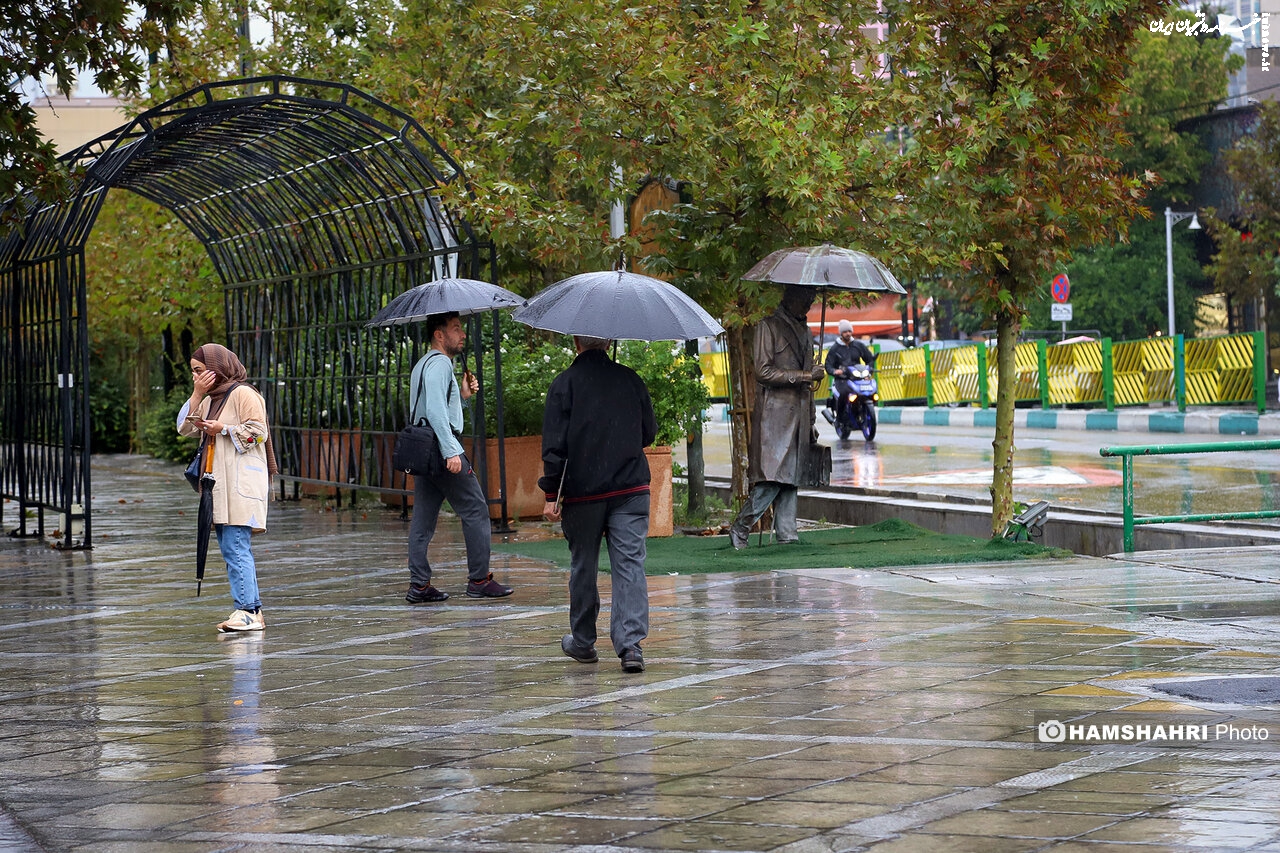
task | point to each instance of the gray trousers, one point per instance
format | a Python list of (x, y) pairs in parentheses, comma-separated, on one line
[(464, 495), (624, 523), (783, 497)]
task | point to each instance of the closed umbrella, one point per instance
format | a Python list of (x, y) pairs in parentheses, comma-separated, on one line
[(444, 296), (204, 518), (619, 306)]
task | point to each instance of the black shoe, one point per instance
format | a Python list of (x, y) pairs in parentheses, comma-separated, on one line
[(632, 661), (488, 588), (424, 594), (576, 652)]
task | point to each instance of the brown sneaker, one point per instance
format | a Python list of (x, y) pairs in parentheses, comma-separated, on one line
[(487, 588)]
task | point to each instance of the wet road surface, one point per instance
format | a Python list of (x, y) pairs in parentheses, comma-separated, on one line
[(814, 709), (1060, 466)]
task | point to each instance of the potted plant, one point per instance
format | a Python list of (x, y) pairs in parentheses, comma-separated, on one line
[(532, 359)]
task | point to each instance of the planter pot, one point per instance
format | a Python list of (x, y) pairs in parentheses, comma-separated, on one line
[(661, 504), (328, 455), (524, 467)]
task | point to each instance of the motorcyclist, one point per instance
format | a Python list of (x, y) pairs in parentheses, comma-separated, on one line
[(846, 351)]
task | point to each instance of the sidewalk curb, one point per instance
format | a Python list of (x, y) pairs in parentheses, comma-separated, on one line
[(1209, 423)]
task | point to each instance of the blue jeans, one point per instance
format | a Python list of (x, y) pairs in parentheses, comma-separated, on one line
[(242, 573)]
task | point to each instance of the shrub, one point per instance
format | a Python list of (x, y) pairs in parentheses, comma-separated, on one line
[(530, 360), (528, 366), (109, 417), (674, 380), (158, 435)]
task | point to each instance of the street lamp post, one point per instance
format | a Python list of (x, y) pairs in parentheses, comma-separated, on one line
[(1169, 218)]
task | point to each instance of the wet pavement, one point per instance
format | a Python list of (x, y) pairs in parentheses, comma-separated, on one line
[(809, 710)]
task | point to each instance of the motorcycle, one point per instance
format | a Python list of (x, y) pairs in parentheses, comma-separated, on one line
[(858, 410)]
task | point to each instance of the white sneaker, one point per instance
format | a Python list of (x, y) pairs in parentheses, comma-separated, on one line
[(242, 620)]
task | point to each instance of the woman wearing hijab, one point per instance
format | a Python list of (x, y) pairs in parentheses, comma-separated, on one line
[(231, 417)]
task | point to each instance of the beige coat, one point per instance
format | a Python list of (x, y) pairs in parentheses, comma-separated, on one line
[(243, 486)]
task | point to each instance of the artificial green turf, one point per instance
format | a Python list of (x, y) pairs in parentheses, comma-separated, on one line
[(889, 543)]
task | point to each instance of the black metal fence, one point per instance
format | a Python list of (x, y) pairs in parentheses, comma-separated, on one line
[(317, 204)]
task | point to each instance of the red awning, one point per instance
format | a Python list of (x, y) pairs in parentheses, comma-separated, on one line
[(880, 318)]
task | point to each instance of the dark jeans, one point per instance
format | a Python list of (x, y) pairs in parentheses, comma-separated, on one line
[(840, 389), (464, 495), (625, 522)]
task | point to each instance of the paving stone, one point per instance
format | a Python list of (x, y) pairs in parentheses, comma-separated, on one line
[(806, 711)]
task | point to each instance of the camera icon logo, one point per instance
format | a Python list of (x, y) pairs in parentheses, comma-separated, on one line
[(1051, 731)]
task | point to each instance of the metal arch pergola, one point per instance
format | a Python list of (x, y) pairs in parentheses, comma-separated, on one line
[(316, 204)]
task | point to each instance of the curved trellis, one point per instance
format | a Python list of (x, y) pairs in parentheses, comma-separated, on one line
[(316, 204)]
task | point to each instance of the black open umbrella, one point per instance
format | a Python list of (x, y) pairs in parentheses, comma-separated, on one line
[(204, 518), (620, 306), (443, 296)]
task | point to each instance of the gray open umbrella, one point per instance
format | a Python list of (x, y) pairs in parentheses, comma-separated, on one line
[(620, 306), (825, 266), (446, 295), (822, 267)]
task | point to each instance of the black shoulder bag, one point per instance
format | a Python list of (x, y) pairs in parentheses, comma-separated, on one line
[(417, 449)]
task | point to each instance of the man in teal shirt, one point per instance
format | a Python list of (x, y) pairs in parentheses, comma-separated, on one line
[(437, 396)]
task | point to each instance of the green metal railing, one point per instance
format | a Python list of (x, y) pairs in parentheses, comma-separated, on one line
[(1126, 453)]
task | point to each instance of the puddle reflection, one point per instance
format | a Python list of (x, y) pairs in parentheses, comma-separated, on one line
[(245, 753), (857, 463)]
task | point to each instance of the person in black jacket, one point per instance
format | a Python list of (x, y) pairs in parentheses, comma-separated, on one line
[(597, 422), (846, 351)]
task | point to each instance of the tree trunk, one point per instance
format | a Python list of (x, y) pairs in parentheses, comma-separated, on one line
[(697, 472), (139, 388), (696, 475), (741, 395), (1007, 329)]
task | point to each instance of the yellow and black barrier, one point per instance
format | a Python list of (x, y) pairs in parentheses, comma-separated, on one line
[(1198, 372)]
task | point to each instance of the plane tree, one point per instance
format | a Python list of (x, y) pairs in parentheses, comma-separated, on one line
[(1246, 264), (108, 39), (1013, 138), (769, 117)]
